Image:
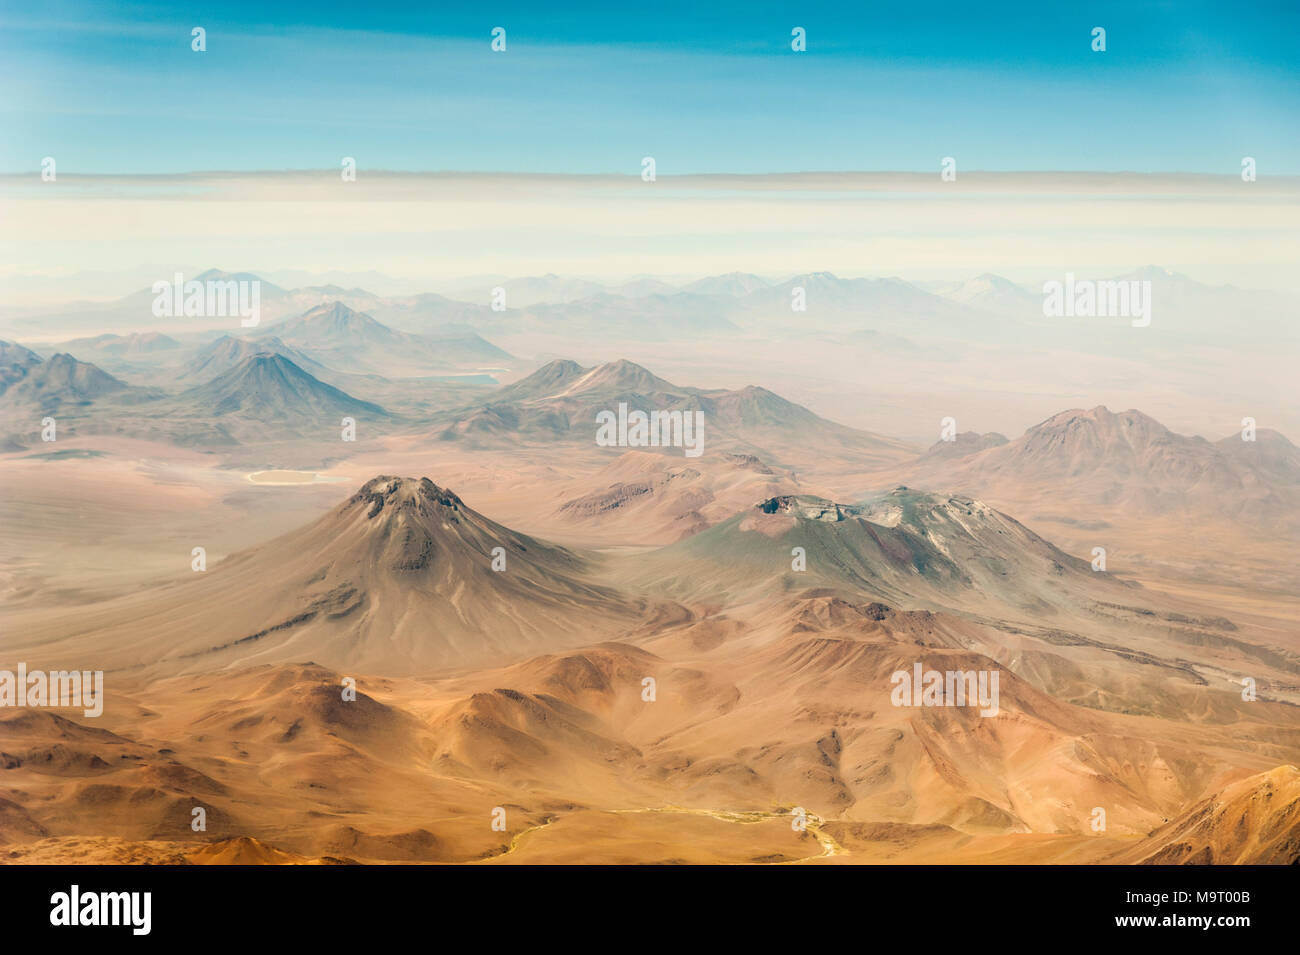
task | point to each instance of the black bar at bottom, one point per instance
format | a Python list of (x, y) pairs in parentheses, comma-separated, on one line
[(329, 903)]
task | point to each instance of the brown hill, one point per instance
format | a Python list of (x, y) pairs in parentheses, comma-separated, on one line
[(1126, 460), (1255, 821), (645, 498), (243, 850)]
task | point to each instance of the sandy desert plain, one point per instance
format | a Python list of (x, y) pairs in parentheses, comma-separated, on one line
[(499, 588)]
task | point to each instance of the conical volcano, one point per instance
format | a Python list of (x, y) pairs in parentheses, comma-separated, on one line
[(908, 548), (400, 579)]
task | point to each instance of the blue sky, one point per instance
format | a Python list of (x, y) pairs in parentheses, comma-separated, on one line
[(702, 88)]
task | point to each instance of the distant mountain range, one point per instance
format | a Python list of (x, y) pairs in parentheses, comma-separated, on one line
[(258, 395), (227, 352), (987, 308), (273, 390), (122, 346), (1122, 459), (346, 340), (268, 386), (54, 385), (562, 400)]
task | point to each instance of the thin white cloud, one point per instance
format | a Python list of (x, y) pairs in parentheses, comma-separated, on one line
[(439, 226)]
